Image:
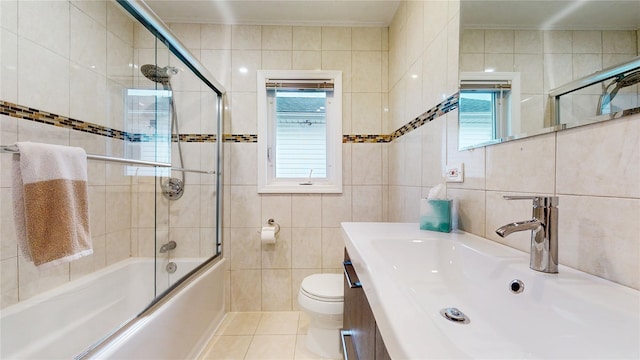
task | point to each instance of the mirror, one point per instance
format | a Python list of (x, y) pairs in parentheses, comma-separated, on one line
[(546, 45)]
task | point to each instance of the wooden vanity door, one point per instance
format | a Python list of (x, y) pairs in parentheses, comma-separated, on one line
[(359, 321)]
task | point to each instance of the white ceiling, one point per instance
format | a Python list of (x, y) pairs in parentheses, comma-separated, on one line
[(551, 14), (512, 14), (278, 12)]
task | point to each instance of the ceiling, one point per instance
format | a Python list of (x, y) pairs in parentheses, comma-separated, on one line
[(547, 14), (278, 12), (512, 14)]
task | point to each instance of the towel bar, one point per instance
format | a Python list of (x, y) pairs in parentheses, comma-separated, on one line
[(14, 150)]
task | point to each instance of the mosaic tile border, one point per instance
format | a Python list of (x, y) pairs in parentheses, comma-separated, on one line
[(240, 138), (361, 139), (194, 138), (449, 104), (631, 111), (27, 113)]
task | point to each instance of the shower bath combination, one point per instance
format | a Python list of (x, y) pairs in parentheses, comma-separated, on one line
[(172, 188)]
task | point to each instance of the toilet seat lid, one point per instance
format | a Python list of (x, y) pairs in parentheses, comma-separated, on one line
[(324, 286)]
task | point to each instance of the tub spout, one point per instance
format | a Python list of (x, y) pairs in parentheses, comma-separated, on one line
[(544, 232)]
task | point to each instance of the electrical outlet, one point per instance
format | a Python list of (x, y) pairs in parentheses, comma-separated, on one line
[(455, 173)]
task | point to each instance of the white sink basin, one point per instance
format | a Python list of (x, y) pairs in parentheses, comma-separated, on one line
[(409, 275)]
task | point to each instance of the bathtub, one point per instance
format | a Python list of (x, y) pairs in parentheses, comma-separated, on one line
[(91, 306), (184, 266), (178, 326)]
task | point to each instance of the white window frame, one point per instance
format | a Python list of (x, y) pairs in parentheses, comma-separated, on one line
[(267, 182)]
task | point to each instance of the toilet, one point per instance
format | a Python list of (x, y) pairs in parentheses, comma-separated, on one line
[(321, 296)]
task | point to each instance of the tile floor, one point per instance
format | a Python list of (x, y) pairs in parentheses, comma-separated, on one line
[(260, 335)]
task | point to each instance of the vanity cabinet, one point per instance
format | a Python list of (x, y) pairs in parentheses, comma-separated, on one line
[(361, 338)]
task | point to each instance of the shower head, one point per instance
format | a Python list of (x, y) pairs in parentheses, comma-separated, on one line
[(158, 74)]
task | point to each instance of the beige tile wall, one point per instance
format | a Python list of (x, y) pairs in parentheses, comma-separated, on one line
[(593, 169), (423, 70), (267, 277), (68, 58)]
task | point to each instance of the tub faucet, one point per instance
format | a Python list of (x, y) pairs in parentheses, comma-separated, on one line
[(544, 232), (168, 246)]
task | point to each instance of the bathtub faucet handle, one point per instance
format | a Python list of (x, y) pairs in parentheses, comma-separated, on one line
[(168, 246)]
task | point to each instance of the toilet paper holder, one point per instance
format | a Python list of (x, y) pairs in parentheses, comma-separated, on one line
[(272, 222)]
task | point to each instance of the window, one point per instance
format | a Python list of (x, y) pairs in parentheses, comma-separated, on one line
[(299, 132), (489, 108)]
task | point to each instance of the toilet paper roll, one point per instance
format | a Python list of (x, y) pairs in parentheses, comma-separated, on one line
[(268, 235)]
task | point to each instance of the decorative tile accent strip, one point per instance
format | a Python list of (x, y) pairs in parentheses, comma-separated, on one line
[(194, 138), (444, 107), (631, 111), (240, 138), (26, 113), (366, 139)]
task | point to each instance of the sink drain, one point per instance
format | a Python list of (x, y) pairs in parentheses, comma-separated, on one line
[(455, 315), (516, 286)]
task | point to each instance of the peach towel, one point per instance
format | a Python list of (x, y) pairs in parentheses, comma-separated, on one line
[(51, 203)]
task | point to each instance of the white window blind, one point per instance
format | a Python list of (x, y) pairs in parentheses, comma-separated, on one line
[(477, 117), (301, 134)]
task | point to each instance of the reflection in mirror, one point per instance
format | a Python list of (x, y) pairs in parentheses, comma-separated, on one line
[(489, 107), (551, 44), (624, 100), (604, 95), (148, 113)]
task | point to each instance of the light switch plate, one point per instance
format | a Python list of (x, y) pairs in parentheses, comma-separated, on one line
[(455, 173)]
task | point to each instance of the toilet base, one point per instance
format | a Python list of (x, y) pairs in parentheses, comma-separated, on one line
[(324, 342), (321, 298)]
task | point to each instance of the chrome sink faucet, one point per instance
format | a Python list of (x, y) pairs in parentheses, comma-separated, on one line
[(544, 232)]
